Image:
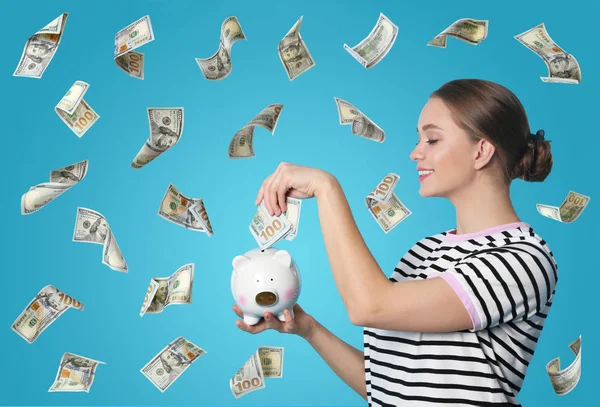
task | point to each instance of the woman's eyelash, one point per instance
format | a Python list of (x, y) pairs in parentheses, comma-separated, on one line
[(428, 142)]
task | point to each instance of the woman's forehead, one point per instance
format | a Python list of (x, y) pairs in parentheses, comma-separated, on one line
[(436, 113)]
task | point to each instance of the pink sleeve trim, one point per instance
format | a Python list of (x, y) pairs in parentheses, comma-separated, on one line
[(464, 297)]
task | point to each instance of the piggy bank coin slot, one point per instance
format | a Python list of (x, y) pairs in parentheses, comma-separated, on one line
[(266, 298)]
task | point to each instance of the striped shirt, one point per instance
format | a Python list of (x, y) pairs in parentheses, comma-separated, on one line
[(506, 277)]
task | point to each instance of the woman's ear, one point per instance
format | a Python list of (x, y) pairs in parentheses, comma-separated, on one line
[(483, 154)]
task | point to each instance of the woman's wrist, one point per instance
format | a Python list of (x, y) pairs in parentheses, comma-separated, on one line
[(325, 184), (311, 326)]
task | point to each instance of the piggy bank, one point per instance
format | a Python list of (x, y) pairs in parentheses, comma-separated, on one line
[(265, 280)]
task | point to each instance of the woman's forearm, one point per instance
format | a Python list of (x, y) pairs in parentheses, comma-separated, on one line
[(345, 360), (357, 275)]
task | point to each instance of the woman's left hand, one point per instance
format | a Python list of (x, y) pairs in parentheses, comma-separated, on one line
[(301, 182)]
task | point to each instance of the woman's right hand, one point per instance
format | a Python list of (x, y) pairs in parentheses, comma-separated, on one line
[(301, 324)]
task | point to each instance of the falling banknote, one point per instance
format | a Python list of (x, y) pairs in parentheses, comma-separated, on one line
[(61, 180), (164, 291), (371, 50), (40, 49), (183, 211), (568, 211), (466, 29), (563, 381), (75, 373), (294, 54), (268, 230), (361, 125), (171, 362), (92, 227), (166, 127), (74, 111), (562, 67), (218, 66), (42, 311), (265, 363), (385, 206), (129, 38), (240, 145)]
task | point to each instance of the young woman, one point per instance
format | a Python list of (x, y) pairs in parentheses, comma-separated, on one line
[(459, 319)]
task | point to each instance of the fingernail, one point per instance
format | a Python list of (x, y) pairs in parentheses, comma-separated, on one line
[(237, 323)]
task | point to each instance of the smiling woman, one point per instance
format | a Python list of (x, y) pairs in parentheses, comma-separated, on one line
[(457, 322)]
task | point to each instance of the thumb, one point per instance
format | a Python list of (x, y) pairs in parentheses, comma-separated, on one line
[(294, 193)]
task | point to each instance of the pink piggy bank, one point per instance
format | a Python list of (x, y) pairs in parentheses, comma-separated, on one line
[(265, 280)]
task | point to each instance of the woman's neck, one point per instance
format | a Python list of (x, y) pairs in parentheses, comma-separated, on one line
[(482, 207)]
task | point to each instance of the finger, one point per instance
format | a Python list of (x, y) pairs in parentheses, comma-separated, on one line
[(253, 329), (272, 322), (281, 195), (267, 195), (259, 195), (290, 324), (237, 311), (273, 189)]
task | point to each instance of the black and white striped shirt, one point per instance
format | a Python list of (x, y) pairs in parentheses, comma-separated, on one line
[(506, 278)]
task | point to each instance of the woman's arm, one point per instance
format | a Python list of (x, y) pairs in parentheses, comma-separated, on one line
[(371, 299), (357, 275), (430, 305), (345, 360)]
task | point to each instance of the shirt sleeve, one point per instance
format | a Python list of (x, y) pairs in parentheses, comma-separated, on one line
[(503, 284)]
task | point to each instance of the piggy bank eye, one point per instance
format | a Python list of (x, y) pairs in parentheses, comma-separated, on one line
[(271, 279)]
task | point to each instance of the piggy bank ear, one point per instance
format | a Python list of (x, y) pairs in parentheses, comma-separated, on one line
[(239, 262), (283, 257)]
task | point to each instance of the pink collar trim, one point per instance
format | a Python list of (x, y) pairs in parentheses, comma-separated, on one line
[(452, 237)]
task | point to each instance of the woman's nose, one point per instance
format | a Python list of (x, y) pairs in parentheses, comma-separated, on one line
[(416, 154)]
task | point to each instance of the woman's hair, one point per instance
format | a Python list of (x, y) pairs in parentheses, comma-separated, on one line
[(487, 110)]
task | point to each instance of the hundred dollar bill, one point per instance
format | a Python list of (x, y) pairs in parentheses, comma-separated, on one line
[(294, 54), (218, 66), (568, 211), (268, 230), (75, 373), (61, 180), (271, 360), (74, 111), (385, 206), (132, 63), (163, 291), (183, 211), (171, 362), (92, 227), (562, 66), (361, 125), (166, 127), (294, 208), (240, 145), (266, 362), (466, 29), (42, 311), (133, 36), (371, 50), (40, 49), (563, 381)]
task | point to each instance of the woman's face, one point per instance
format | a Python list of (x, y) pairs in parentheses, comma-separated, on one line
[(444, 148)]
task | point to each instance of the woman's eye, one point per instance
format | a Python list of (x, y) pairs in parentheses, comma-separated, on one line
[(431, 141)]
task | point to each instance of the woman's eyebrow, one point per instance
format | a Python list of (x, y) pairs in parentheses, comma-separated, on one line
[(429, 126)]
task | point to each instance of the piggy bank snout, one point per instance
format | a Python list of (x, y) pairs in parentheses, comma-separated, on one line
[(266, 298)]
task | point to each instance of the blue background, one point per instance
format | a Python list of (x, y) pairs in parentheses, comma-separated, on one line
[(37, 250)]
